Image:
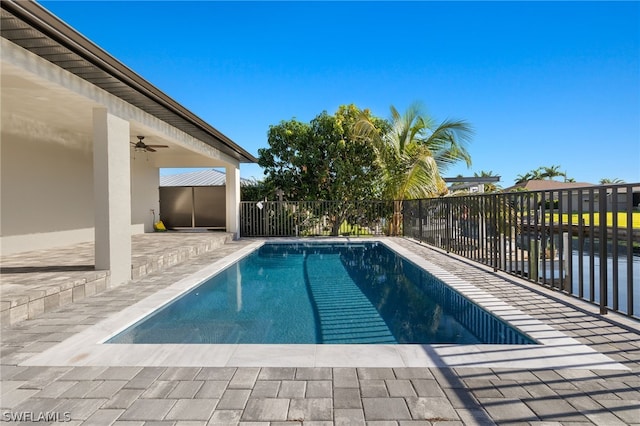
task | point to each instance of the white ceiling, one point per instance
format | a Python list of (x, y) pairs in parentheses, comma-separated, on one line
[(32, 107)]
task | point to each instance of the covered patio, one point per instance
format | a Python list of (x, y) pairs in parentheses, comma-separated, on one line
[(39, 281), (71, 171)]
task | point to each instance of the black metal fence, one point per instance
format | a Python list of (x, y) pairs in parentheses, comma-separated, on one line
[(314, 218), (584, 241)]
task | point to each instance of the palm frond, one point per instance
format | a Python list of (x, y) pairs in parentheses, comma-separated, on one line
[(413, 152), (449, 142), (422, 179)]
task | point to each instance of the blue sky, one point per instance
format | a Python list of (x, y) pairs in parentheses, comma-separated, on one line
[(542, 83)]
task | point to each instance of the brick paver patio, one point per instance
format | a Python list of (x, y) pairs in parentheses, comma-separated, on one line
[(100, 395)]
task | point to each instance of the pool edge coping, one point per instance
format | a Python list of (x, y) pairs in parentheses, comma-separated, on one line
[(557, 350)]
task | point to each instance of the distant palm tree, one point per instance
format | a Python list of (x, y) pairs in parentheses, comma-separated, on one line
[(523, 178), (413, 152), (551, 172), (542, 173), (489, 187), (606, 181), (537, 174)]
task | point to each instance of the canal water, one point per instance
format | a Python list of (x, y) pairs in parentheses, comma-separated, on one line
[(622, 265), (591, 274)]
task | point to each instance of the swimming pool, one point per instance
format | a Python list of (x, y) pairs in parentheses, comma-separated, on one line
[(322, 293)]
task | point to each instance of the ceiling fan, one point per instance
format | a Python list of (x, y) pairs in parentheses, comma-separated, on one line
[(141, 146)]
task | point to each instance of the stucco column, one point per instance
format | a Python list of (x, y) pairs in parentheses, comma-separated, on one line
[(112, 195), (233, 199)]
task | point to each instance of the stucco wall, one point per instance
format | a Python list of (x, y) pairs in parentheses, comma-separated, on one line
[(45, 188), (46, 194), (145, 180)]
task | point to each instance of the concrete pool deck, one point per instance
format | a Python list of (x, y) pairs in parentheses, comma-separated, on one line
[(370, 389)]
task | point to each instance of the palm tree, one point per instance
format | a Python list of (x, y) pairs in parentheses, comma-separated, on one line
[(551, 172), (537, 174), (606, 181), (542, 173), (488, 187), (523, 178), (413, 152)]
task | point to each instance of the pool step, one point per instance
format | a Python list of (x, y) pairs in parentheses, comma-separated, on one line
[(346, 315)]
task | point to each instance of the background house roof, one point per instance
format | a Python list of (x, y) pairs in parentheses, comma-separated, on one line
[(547, 185), (34, 28)]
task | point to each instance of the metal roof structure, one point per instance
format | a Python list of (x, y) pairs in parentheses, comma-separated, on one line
[(210, 177), (34, 28), (473, 179), (462, 183)]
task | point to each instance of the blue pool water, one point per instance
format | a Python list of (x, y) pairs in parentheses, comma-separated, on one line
[(322, 293)]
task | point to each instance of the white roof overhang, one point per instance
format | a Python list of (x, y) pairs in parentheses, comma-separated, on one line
[(55, 65)]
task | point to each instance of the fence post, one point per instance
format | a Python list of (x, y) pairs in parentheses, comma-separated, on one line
[(602, 227), (496, 233), (265, 218), (534, 258), (420, 219), (447, 225), (566, 249)]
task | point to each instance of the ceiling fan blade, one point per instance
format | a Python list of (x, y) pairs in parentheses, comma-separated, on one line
[(159, 146), (148, 148)]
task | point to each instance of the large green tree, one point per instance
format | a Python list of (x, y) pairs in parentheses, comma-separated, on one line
[(321, 160), (413, 152), (254, 190)]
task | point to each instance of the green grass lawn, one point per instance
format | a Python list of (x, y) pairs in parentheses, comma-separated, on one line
[(622, 219), (346, 229)]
